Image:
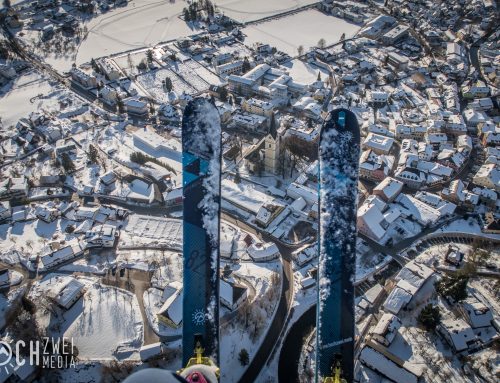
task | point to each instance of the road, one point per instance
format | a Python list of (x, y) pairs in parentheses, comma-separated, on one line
[(277, 325)]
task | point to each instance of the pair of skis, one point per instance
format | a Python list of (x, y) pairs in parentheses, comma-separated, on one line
[(338, 173)]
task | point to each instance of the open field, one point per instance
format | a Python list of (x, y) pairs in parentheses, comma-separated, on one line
[(304, 28)]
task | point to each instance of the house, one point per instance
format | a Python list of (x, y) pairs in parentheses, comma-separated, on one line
[(395, 34), (379, 144), (13, 188), (263, 252), (477, 313), (109, 69), (478, 90), (229, 68), (108, 178), (136, 106), (259, 107), (46, 214), (458, 334), (388, 189), (68, 294), (371, 220), (377, 98), (72, 250), (101, 236), (488, 176), (398, 61), (83, 213), (4, 278), (82, 78), (411, 177), (232, 294), (5, 210), (386, 329), (453, 53), (454, 256), (170, 314), (386, 366)]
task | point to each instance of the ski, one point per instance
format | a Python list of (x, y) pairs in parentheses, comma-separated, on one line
[(338, 175), (201, 161)]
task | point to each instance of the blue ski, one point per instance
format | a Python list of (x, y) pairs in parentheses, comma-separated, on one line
[(201, 160), (338, 175)]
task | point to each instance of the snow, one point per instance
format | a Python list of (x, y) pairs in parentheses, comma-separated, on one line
[(303, 72), (21, 97), (245, 11), (234, 334), (337, 202), (244, 195), (304, 28), (105, 324)]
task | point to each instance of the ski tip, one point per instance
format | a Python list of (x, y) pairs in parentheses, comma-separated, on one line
[(201, 127), (343, 120)]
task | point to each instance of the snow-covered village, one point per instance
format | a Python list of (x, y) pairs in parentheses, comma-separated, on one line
[(93, 182)]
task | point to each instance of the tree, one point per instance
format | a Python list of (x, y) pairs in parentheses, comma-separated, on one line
[(120, 105), (93, 154), (67, 163), (223, 94), (321, 43), (453, 286), (187, 15), (430, 317), (237, 177), (246, 65), (300, 50), (319, 76), (243, 357), (6, 3), (168, 84), (149, 55)]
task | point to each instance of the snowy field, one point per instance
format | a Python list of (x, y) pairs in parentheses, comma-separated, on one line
[(105, 324), (28, 93), (304, 28), (303, 72), (187, 77), (244, 10)]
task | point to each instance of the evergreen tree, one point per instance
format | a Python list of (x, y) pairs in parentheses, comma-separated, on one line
[(93, 154), (187, 15), (429, 316), (243, 357), (321, 43), (246, 65), (300, 50), (319, 76), (168, 84), (67, 163), (453, 286), (223, 94), (149, 56)]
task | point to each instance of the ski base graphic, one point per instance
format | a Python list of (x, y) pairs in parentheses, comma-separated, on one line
[(338, 175), (201, 159)]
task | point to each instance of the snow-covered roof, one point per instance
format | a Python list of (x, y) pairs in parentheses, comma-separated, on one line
[(385, 366)]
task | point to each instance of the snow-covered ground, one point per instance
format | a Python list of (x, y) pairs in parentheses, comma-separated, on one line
[(304, 72), (105, 324), (244, 10), (28, 93), (234, 335), (152, 231), (303, 28)]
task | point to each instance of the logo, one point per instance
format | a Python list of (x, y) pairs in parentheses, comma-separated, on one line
[(199, 317), (47, 353)]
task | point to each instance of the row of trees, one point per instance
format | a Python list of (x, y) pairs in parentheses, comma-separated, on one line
[(141, 159), (191, 13)]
